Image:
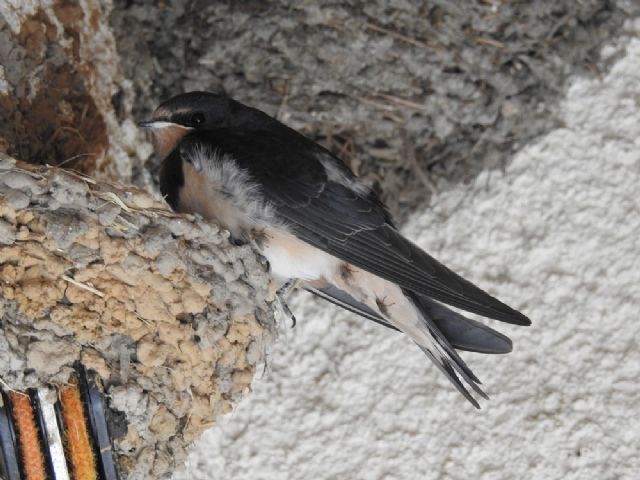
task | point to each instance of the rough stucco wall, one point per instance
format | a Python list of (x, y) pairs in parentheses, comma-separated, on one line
[(405, 91), (63, 97), (556, 234), (171, 315)]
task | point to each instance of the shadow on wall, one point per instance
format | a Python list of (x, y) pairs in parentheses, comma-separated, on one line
[(405, 93)]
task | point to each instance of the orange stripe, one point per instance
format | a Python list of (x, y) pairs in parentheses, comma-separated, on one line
[(76, 435), (28, 437)]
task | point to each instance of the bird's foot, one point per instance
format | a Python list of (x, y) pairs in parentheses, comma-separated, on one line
[(287, 287), (261, 258), (281, 295), (285, 310)]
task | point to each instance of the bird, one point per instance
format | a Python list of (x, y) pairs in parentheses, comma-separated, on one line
[(319, 227)]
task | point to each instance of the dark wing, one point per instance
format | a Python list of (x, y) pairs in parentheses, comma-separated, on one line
[(354, 227)]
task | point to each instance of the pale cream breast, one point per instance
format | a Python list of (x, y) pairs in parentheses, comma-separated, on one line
[(290, 257)]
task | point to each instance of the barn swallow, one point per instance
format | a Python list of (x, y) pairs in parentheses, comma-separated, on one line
[(318, 226)]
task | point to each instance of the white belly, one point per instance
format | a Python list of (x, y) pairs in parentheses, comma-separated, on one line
[(292, 258)]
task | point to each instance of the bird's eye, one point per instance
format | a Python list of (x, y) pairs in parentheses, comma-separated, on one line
[(197, 119)]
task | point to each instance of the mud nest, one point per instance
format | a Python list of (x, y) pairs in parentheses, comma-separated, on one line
[(171, 315)]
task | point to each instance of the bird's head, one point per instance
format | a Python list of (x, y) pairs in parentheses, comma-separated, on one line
[(193, 111)]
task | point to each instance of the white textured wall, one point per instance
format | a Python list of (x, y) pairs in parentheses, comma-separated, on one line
[(557, 235)]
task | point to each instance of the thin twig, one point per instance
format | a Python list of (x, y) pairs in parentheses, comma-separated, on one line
[(126, 223), (8, 387), (410, 154), (76, 174), (402, 101), (490, 42), (283, 103), (113, 198), (83, 286), (345, 149), (398, 36), (389, 109), (75, 157)]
